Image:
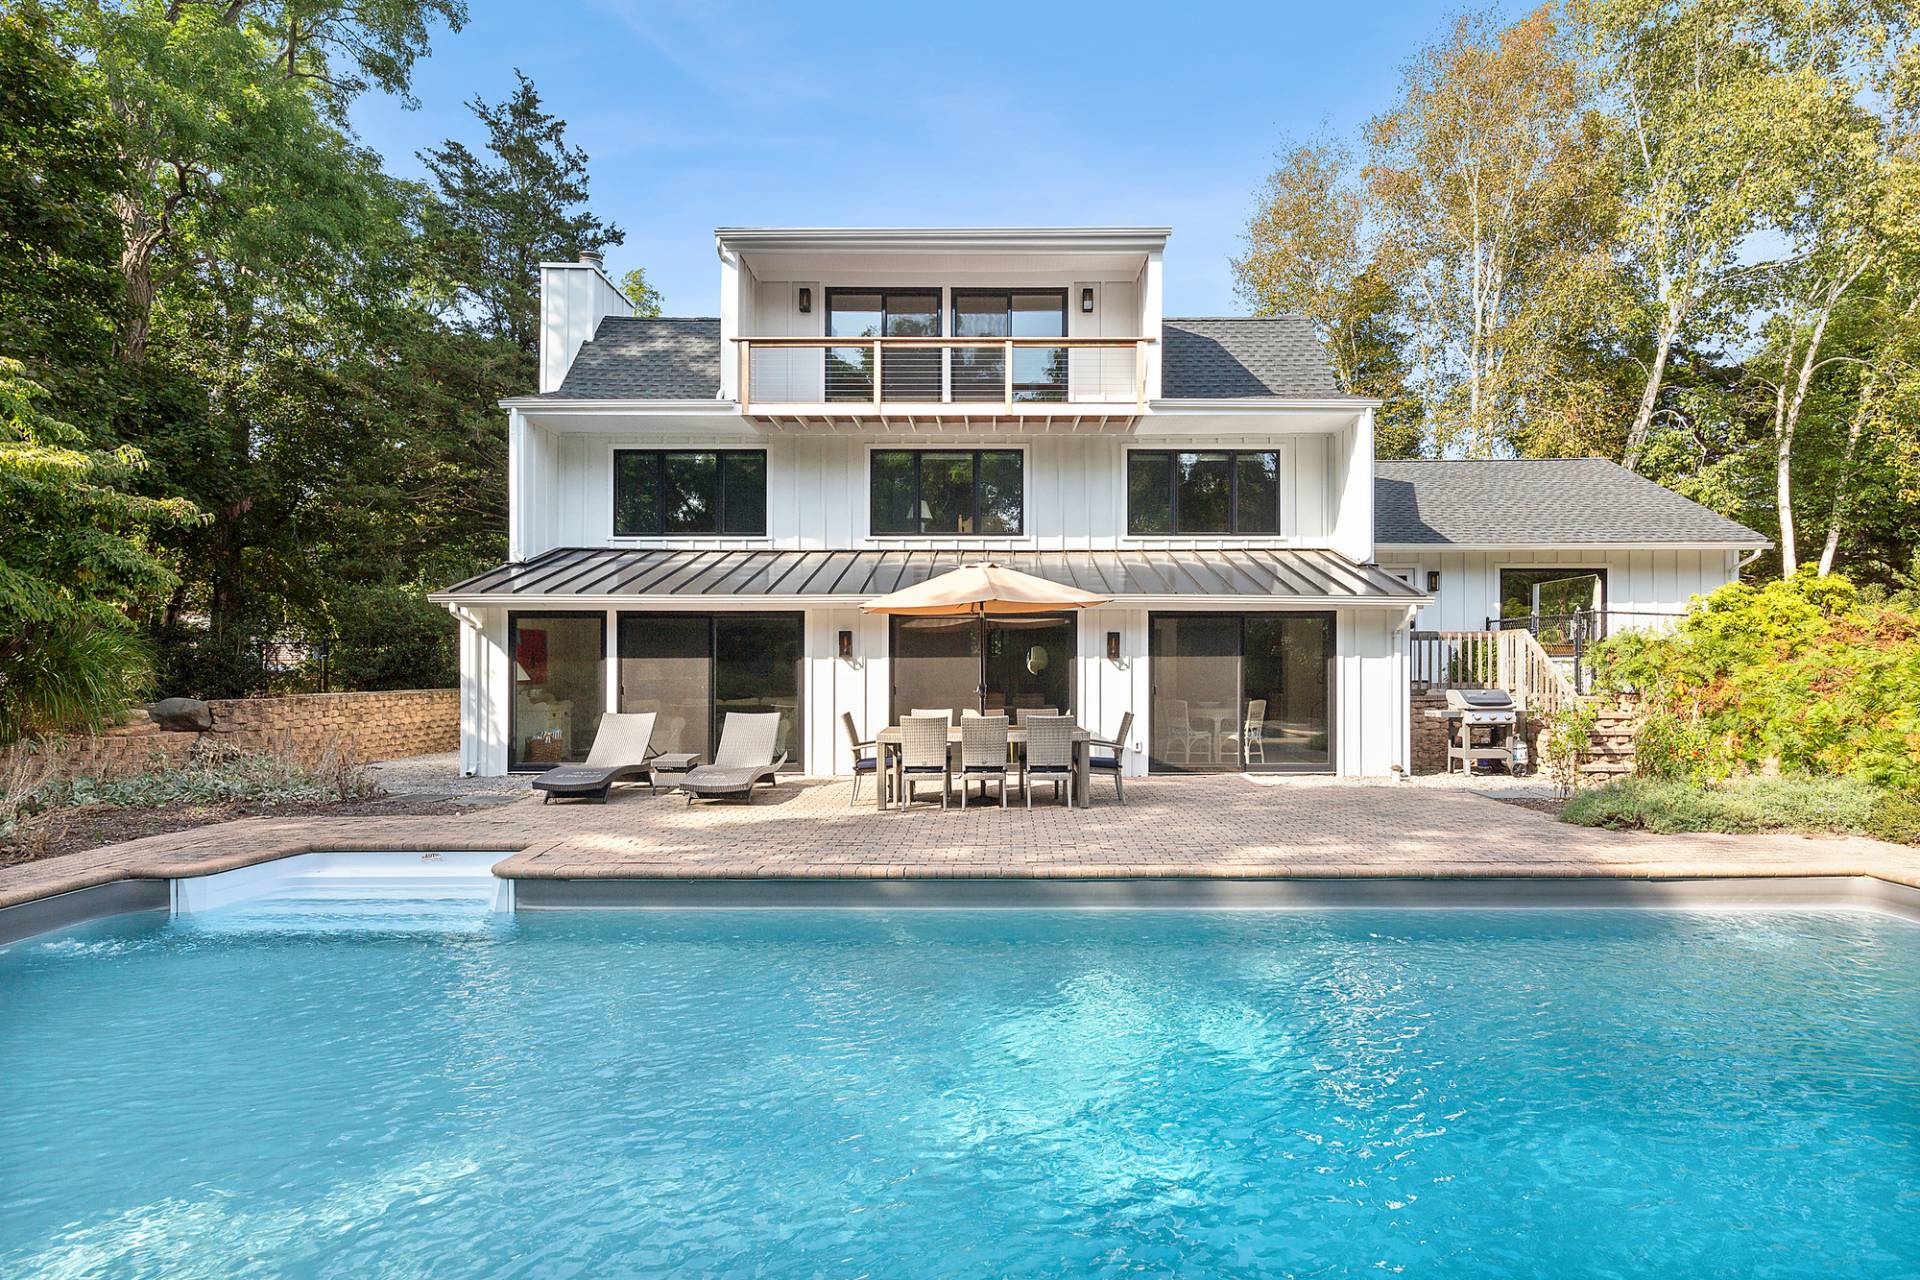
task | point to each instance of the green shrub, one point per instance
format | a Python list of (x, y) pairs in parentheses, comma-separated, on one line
[(1736, 808), (1799, 676), (1896, 817)]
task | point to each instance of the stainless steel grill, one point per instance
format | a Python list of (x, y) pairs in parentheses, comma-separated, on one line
[(1483, 725)]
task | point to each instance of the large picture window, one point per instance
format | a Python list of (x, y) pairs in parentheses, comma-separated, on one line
[(1212, 491), (938, 491), (684, 493)]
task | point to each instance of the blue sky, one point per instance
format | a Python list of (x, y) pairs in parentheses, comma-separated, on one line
[(697, 115)]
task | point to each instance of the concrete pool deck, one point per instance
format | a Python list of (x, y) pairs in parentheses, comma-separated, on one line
[(1207, 828)]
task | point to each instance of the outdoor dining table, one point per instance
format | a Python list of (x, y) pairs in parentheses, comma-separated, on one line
[(888, 744)]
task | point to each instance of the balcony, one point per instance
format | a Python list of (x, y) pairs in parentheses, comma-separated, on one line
[(1074, 384)]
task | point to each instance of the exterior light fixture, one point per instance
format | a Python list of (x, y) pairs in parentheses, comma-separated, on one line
[(1433, 579), (1113, 646), (1086, 300), (806, 300), (846, 644)]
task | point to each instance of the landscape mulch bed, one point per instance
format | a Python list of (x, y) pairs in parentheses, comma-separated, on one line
[(77, 830), (1539, 804)]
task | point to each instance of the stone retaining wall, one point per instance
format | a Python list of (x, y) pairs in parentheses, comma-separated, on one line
[(366, 726)]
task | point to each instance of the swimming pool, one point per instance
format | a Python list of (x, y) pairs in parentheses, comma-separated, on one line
[(315, 1088)]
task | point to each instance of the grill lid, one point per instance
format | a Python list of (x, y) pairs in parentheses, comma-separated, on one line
[(1480, 700)]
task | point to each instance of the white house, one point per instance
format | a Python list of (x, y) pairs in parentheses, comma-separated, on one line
[(700, 505)]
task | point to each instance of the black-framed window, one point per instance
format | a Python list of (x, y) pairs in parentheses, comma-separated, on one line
[(1203, 491), (687, 492), (1039, 373), (691, 669), (925, 492), (906, 373)]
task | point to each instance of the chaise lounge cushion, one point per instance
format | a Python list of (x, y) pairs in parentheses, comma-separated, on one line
[(745, 758), (621, 750)]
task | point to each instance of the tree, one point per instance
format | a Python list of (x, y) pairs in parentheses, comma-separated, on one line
[(76, 560), (1310, 252), (645, 298), (494, 220), (228, 115), (1715, 123), (1485, 180)]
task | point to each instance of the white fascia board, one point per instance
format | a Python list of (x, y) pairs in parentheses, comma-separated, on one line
[(1245, 404), (720, 604), (921, 239), (1449, 548), (589, 408)]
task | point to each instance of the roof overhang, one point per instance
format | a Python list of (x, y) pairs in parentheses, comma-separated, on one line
[(602, 578), (1409, 548), (940, 239)]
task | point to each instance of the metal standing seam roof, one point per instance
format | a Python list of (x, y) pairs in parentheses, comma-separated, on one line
[(581, 573)]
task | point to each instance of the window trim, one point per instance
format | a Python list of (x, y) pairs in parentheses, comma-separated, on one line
[(660, 480), (1233, 529), (976, 450)]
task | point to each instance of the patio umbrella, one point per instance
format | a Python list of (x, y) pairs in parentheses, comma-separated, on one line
[(985, 588)]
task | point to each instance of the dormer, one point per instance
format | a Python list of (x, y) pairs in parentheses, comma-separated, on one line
[(997, 325)]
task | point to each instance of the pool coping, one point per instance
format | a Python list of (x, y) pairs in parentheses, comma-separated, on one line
[(1862, 891)]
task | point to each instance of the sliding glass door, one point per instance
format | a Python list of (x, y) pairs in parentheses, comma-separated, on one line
[(982, 664), (692, 668), (559, 687), (1234, 692)]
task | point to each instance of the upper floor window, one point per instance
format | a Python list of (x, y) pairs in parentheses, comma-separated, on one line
[(686, 492), (940, 491), (1216, 491), (1039, 373)]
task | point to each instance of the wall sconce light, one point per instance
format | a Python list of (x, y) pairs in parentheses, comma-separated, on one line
[(1113, 646), (806, 301), (846, 644), (1086, 300), (1433, 579)]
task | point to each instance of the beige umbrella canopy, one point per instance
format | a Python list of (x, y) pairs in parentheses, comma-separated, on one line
[(982, 589)]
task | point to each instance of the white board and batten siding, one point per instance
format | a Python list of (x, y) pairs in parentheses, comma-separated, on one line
[(1643, 588), (817, 490)]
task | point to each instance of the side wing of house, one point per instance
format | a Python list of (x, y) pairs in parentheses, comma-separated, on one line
[(1503, 540)]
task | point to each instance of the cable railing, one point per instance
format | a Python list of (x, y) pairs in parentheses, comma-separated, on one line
[(1020, 375)]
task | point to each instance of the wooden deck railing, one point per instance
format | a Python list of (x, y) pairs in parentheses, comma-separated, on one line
[(876, 375), (1509, 660)]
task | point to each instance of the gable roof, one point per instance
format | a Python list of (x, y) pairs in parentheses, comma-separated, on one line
[(646, 358), (1236, 357), (1537, 502)]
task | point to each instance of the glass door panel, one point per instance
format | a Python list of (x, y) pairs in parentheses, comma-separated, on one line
[(850, 369), (559, 687), (756, 668), (936, 664), (912, 373), (666, 667), (1039, 373), (1195, 674), (1287, 670), (980, 373), (1029, 663)]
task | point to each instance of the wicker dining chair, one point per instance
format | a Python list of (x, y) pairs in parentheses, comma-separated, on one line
[(1024, 714), (923, 755), (866, 757), (1050, 754), (945, 713), (1114, 763), (983, 755)]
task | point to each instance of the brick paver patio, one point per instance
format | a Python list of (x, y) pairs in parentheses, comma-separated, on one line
[(1188, 827)]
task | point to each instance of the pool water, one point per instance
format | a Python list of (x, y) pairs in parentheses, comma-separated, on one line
[(327, 1089)]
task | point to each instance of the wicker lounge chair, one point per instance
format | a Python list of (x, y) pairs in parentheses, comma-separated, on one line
[(745, 757), (622, 750)]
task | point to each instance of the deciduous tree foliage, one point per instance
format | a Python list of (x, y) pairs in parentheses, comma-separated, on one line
[(1681, 234)]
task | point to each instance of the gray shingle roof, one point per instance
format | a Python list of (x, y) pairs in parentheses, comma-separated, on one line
[(647, 358), (1573, 501), (1220, 357)]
